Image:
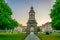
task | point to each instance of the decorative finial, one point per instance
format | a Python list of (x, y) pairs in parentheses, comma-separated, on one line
[(31, 10), (31, 7)]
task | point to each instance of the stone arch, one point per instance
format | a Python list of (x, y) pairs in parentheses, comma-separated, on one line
[(29, 27)]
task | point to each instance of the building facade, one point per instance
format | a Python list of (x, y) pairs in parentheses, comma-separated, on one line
[(46, 27), (20, 28)]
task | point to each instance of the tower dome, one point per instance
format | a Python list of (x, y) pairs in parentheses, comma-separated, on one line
[(31, 10)]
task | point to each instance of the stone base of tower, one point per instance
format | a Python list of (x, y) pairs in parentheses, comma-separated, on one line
[(28, 31), (29, 27)]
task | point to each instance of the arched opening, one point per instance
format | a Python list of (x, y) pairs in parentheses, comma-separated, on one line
[(31, 29)]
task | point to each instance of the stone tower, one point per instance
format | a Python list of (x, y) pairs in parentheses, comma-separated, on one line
[(31, 21)]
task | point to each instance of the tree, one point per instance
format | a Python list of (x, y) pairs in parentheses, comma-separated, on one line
[(55, 15), (38, 29), (6, 21)]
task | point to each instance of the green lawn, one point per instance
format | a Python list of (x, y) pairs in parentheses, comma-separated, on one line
[(12, 36), (53, 36)]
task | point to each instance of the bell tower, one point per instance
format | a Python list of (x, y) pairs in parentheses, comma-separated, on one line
[(31, 14), (31, 21)]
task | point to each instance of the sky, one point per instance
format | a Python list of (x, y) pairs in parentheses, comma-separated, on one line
[(21, 8)]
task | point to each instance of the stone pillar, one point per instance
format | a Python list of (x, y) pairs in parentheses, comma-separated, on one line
[(35, 29)]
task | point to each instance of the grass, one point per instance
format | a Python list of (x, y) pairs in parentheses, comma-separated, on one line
[(52, 36), (12, 36)]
